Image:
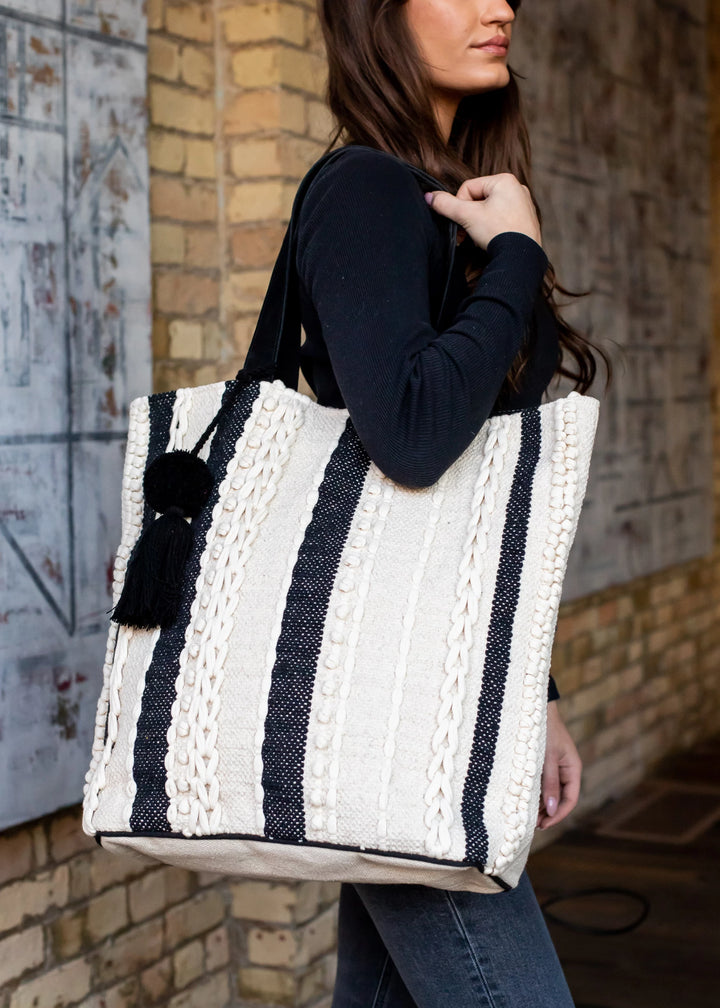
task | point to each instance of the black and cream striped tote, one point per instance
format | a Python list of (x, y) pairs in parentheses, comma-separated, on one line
[(353, 684)]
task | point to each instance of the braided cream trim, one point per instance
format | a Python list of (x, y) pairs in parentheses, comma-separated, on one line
[(353, 582), (518, 816), (439, 815), (250, 483), (436, 500), (311, 500), (108, 707)]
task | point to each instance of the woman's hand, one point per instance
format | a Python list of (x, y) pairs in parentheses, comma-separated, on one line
[(488, 205), (560, 786)]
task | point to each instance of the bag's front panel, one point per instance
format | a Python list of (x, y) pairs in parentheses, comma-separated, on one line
[(355, 683), (261, 603)]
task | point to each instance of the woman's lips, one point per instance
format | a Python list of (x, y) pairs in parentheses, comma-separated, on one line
[(500, 50)]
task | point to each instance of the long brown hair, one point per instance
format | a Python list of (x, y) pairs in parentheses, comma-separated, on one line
[(378, 92)]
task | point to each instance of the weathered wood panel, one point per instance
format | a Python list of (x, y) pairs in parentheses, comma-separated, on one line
[(616, 95), (74, 348)]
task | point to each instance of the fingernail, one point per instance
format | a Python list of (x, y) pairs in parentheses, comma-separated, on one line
[(551, 805), (429, 197)]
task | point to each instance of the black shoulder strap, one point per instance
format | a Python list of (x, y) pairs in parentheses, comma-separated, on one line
[(275, 347)]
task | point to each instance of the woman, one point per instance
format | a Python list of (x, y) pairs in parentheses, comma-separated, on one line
[(417, 79)]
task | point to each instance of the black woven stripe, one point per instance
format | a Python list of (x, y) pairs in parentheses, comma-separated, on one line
[(151, 801), (500, 632), (298, 646), (161, 413)]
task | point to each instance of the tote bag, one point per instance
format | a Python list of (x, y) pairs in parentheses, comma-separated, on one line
[(352, 684)]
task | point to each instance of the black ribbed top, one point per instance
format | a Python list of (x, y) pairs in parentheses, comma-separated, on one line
[(371, 257)]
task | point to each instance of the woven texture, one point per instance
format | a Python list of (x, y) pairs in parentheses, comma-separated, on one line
[(356, 685)]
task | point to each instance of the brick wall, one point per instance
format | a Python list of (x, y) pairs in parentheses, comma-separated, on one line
[(79, 926), (236, 118)]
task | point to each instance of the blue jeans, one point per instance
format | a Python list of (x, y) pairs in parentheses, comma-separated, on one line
[(414, 946)]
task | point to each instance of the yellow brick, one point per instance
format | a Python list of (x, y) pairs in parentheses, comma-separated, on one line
[(59, 987), (40, 844), (247, 290), (180, 200), (250, 157), (191, 21), (167, 243), (243, 330), (19, 953), (193, 917), (271, 946), (155, 14), (185, 293), (198, 67), (185, 339), (188, 964), (255, 68), (122, 995), (163, 58), (266, 985), (201, 247), (213, 991), (264, 110), (107, 914), (216, 346), (15, 855), (298, 154), (303, 70), (33, 897), (259, 22), (67, 933), (67, 837), (200, 159), (307, 896), (217, 949), (166, 151), (263, 901), (129, 952), (179, 109), (317, 937), (254, 201), (107, 869), (320, 123), (156, 980)]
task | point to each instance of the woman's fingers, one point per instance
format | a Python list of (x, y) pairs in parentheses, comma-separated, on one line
[(562, 772), (488, 205)]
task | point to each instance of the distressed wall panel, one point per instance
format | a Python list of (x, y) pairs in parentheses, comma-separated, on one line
[(74, 349), (618, 113)]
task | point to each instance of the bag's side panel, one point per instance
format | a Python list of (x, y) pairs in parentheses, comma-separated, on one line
[(151, 800), (518, 724), (505, 619), (150, 419), (465, 630), (261, 605), (131, 522)]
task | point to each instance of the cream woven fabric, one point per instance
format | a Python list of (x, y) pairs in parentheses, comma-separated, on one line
[(356, 686)]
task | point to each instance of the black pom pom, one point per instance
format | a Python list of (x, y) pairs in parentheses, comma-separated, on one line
[(177, 484), (151, 594), (178, 479)]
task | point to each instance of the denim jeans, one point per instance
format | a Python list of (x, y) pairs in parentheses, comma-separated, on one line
[(414, 946)]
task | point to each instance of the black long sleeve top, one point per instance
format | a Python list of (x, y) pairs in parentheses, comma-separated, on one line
[(372, 262)]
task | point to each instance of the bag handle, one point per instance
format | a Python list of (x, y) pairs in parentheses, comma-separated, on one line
[(275, 347)]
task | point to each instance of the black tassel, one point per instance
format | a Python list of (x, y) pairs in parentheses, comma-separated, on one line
[(178, 485)]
